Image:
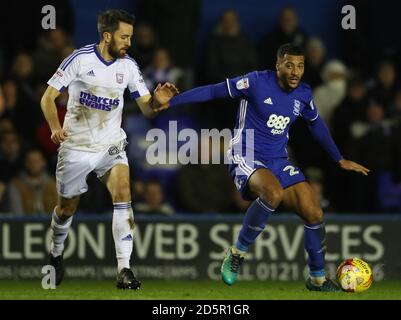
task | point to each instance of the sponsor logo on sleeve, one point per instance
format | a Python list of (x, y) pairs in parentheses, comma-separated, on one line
[(242, 84)]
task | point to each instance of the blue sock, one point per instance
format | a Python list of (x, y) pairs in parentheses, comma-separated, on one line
[(315, 245), (254, 223)]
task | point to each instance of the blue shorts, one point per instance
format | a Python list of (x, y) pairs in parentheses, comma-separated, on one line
[(285, 172)]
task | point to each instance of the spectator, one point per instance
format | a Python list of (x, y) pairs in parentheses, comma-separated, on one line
[(43, 132), (204, 187), (330, 94), (230, 54), (10, 156), (374, 118), (153, 200), (287, 30), (373, 146), (6, 125), (176, 25), (10, 94), (33, 191), (138, 188), (385, 85), (162, 70), (50, 52), (315, 57), (230, 51), (22, 70), (144, 46), (353, 108), (24, 114)]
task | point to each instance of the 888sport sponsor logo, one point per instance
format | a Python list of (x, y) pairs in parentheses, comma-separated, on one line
[(278, 124)]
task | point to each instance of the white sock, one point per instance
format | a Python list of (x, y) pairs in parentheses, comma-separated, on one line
[(235, 250), (59, 233), (123, 227), (318, 281)]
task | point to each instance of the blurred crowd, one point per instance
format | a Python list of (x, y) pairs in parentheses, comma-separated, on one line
[(362, 110)]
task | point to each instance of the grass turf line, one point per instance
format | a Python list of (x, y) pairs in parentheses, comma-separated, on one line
[(189, 289)]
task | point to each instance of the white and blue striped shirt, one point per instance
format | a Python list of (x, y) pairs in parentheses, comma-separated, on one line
[(96, 88)]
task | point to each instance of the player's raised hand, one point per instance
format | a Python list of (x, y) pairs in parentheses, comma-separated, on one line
[(162, 94), (59, 136), (353, 166)]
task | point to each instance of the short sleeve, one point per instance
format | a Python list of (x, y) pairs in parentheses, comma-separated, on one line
[(240, 87), (136, 84), (309, 110), (66, 73)]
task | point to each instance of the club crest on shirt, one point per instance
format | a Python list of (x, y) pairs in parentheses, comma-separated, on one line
[(242, 84), (119, 78), (297, 106)]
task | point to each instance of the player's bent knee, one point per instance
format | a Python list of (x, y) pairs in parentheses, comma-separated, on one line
[(65, 212), (314, 215), (272, 196)]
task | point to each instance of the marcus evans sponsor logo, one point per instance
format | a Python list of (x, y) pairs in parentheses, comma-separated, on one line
[(95, 102)]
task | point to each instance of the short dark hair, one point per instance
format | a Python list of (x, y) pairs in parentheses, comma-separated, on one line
[(108, 21), (290, 49)]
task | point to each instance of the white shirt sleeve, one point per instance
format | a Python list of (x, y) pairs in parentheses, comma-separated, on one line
[(66, 73), (136, 85)]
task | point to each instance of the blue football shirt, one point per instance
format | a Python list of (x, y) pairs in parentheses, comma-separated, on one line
[(269, 110)]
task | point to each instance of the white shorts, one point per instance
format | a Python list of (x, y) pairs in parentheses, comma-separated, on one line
[(73, 167)]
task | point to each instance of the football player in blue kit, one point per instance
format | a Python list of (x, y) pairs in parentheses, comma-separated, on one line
[(270, 101)]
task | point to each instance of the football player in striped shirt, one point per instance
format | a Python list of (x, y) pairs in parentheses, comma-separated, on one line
[(92, 139)]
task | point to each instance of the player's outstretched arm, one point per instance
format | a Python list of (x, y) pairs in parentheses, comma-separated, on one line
[(49, 109), (321, 133), (199, 94), (152, 105)]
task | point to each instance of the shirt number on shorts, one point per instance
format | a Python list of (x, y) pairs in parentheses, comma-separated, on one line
[(292, 169)]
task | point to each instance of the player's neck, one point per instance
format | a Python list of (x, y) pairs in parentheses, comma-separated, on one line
[(102, 49), (281, 84)]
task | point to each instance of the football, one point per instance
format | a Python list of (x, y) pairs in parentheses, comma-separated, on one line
[(354, 275)]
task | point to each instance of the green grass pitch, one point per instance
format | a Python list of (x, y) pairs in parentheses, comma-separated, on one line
[(189, 289)]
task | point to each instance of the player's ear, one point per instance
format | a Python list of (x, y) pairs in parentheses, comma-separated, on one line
[(278, 62), (107, 37)]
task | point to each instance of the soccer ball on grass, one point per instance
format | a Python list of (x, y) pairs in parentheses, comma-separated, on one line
[(354, 275)]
